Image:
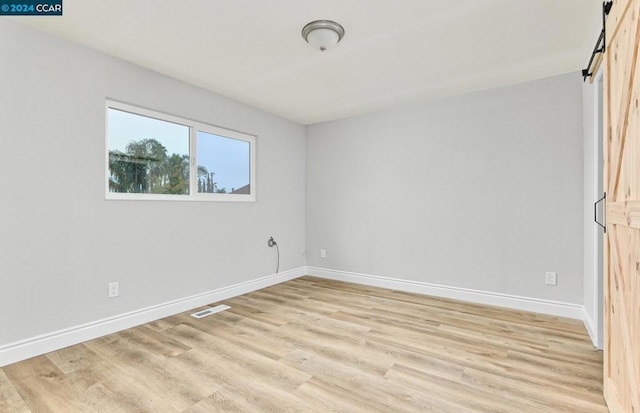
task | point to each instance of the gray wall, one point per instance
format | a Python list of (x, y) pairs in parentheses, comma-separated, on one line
[(482, 191), (61, 242)]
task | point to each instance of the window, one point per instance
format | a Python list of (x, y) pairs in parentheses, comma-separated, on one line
[(155, 156)]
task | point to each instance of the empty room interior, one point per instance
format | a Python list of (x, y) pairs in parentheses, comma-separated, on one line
[(319, 206)]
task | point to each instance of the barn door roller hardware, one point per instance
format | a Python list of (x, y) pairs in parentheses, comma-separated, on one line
[(601, 44), (595, 212)]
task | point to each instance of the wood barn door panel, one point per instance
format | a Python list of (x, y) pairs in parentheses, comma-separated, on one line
[(622, 58), (622, 178)]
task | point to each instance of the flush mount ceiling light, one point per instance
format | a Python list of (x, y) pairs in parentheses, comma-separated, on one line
[(323, 34)]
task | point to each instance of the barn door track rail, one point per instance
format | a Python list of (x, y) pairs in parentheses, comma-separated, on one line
[(601, 44)]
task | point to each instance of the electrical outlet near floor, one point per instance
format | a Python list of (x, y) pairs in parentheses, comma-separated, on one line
[(323, 253), (113, 289), (551, 278)]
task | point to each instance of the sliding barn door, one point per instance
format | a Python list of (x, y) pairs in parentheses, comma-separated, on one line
[(622, 178)]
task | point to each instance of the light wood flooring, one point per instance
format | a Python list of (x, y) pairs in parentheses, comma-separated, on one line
[(314, 345)]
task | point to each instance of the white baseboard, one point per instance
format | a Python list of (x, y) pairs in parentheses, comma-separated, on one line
[(536, 305), (589, 324), (22, 350)]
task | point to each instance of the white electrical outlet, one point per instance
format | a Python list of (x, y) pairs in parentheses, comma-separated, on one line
[(113, 289), (323, 253), (551, 278)]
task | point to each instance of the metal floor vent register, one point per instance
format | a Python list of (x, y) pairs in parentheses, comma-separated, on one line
[(209, 311)]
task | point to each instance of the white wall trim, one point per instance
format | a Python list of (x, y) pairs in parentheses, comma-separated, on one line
[(24, 349), (590, 326), (596, 315), (555, 308)]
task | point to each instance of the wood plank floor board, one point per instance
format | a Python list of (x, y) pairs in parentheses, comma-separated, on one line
[(255, 365), (317, 345), (154, 341), (151, 372), (335, 399), (73, 358), (218, 402), (251, 341), (10, 399), (458, 361), (341, 399), (44, 388), (359, 384), (537, 395), (347, 346), (465, 396), (257, 388)]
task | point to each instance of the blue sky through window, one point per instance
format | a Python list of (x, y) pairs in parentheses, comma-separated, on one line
[(125, 127), (227, 158)]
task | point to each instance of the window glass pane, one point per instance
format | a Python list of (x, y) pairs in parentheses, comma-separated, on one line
[(147, 155), (223, 164)]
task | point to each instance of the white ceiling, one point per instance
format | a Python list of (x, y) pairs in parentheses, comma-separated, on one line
[(394, 51)]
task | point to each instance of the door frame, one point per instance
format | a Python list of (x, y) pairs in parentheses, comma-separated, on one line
[(598, 190), (593, 297)]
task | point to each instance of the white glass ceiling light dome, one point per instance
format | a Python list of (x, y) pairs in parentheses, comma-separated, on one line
[(323, 34)]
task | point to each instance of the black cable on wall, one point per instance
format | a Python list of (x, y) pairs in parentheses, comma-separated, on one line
[(272, 243)]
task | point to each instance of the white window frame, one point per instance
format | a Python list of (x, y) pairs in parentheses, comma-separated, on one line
[(194, 127)]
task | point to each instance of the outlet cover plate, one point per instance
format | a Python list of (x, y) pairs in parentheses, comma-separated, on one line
[(114, 289), (551, 278)]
